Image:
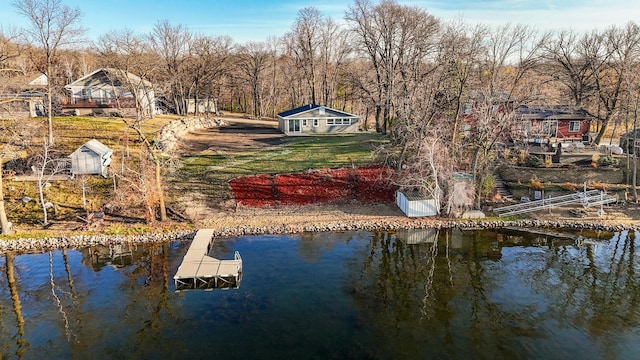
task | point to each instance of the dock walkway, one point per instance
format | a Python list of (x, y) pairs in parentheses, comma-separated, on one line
[(201, 271)]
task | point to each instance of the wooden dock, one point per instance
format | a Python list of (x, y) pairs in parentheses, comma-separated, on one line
[(201, 271)]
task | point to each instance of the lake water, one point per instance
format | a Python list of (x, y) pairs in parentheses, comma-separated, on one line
[(357, 295)]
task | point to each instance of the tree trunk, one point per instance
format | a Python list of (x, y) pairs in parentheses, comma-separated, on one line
[(49, 103), (163, 209), (6, 227), (634, 177), (45, 219)]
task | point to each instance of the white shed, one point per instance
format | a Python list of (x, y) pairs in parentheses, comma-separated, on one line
[(92, 158), (415, 206)]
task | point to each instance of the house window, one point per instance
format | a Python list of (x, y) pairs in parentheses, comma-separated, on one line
[(574, 126), (315, 122), (338, 121), (305, 123), (86, 92)]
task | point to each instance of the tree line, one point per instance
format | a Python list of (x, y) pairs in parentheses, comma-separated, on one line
[(367, 63)]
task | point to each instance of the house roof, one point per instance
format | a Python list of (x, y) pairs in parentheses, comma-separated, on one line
[(554, 112), (41, 80), (315, 111), (16, 82), (109, 76), (95, 146), (630, 134)]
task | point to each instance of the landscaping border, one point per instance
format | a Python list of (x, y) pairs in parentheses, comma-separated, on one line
[(174, 130)]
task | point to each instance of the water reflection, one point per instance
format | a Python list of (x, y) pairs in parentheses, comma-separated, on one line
[(421, 294), (21, 343)]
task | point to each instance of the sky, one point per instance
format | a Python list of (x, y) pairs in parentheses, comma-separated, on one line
[(256, 20)]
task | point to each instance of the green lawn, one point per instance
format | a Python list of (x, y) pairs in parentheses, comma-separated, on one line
[(209, 173), (70, 132)]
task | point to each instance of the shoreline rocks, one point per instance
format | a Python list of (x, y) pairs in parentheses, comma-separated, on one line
[(31, 245)]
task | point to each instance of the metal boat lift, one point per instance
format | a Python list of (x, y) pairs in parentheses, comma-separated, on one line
[(586, 198), (198, 270)]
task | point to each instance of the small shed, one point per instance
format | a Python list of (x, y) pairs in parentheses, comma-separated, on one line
[(92, 158), (627, 141), (415, 206)]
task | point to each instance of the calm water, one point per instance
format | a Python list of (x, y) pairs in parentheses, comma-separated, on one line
[(456, 295)]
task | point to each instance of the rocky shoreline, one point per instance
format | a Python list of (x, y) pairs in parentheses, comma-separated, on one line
[(30, 245)]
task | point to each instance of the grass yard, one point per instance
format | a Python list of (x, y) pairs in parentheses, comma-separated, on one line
[(202, 173), (209, 172), (69, 134)]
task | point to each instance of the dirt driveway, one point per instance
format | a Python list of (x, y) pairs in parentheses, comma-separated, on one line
[(238, 135)]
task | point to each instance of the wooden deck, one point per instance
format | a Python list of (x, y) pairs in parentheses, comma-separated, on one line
[(201, 271)]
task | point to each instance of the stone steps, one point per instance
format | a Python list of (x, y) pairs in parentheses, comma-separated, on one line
[(502, 189)]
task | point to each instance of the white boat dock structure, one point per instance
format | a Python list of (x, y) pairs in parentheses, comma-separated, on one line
[(586, 198), (200, 271)]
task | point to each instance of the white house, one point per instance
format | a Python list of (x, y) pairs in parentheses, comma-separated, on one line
[(109, 90), (92, 158), (317, 119)]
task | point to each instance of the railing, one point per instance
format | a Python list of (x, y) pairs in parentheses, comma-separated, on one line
[(586, 198), (97, 102)]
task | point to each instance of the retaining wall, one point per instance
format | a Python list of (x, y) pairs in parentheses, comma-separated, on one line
[(173, 131), (521, 174)]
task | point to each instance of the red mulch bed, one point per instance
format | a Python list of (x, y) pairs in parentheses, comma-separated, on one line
[(367, 184)]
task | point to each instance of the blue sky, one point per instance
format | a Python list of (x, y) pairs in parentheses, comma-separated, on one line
[(255, 20)]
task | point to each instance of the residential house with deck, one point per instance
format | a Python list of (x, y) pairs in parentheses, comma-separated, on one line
[(23, 95), (109, 91), (553, 124)]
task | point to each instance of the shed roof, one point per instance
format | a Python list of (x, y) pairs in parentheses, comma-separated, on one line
[(95, 146), (314, 111)]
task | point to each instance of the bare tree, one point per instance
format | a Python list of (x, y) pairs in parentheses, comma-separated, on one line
[(52, 26), (171, 44), (614, 54), (208, 63), (567, 63), (334, 50), (46, 167), (275, 72), (140, 186), (304, 44), (511, 54), (462, 48), (253, 60), (388, 34), (8, 51)]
